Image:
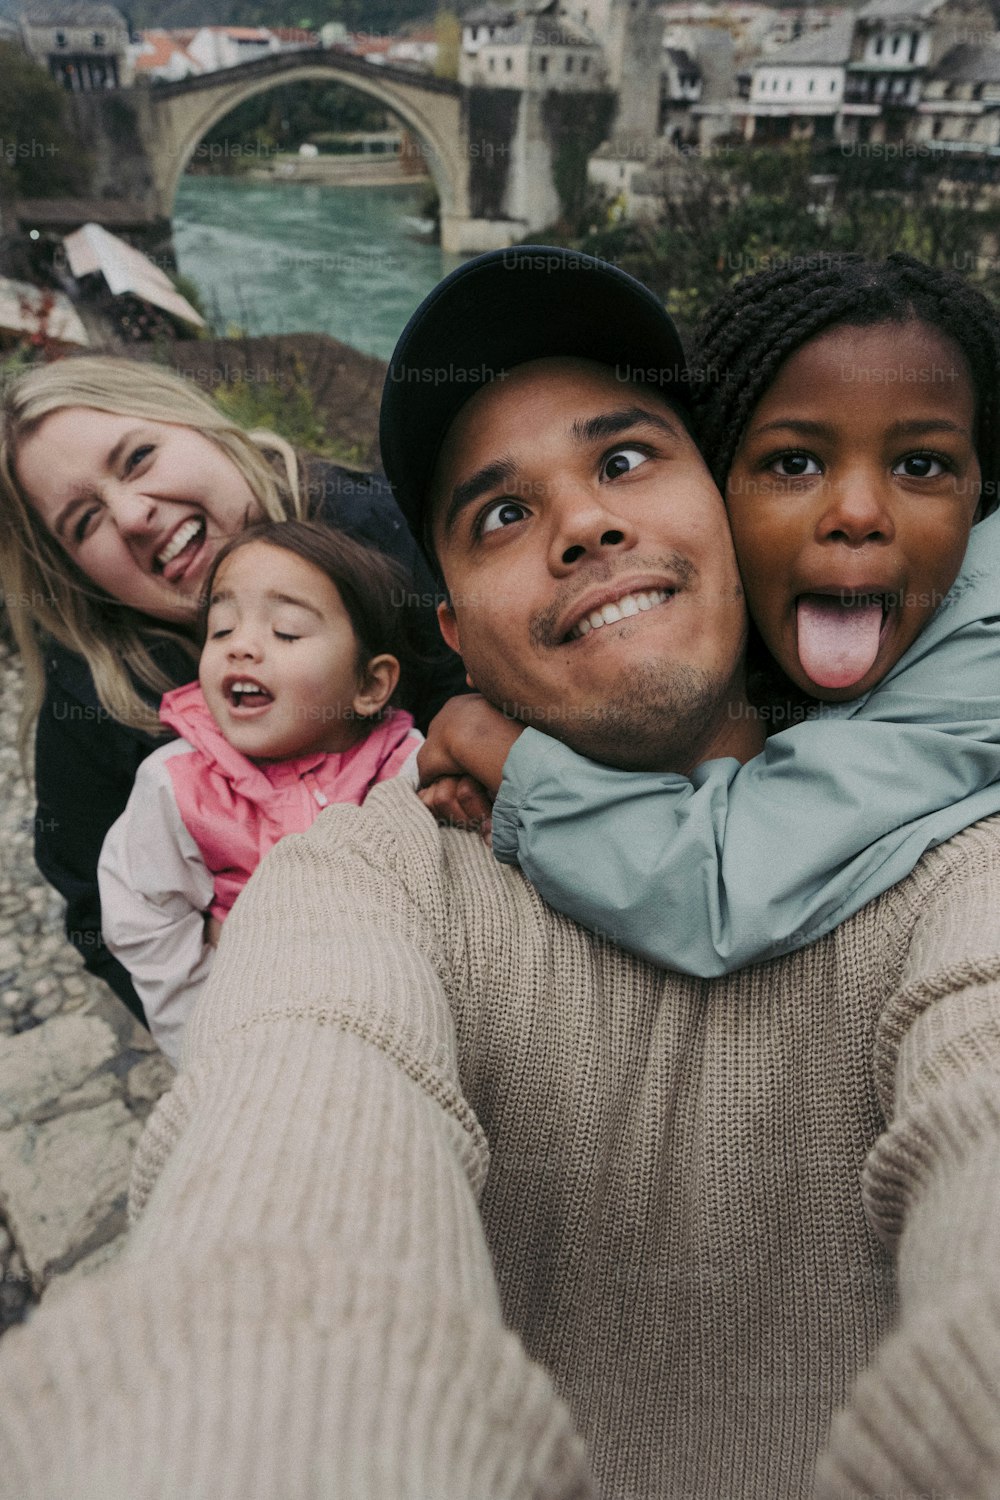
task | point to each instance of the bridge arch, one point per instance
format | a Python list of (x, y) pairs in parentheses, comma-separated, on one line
[(182, 114)]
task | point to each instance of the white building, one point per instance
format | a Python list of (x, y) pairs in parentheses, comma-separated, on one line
[(960, 109), (797, 91), (416, 48), (863, 78), (481, 25), (541, 51), (161, 56), (891, 51), (85, 47), (215, 47)]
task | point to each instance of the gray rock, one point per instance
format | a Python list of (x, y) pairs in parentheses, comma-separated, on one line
[(150, 1078), (39, 1066), (63, 1185), (87, 1265), (48, 1005)]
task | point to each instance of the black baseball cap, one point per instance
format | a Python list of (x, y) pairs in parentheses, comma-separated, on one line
[(501, 310)]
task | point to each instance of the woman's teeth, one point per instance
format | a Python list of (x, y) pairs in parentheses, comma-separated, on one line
[(180, 539), (609, 614)]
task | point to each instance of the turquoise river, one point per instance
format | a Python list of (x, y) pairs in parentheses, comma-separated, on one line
[(287, 257)]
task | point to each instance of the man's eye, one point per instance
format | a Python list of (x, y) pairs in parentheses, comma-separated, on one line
[(794, 465), (81, 526), (137, 455), (220, 634), (921, 466), (622, 461), (284, 636), (500, 514)]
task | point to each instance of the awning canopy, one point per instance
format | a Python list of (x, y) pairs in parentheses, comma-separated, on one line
[(27, 309), (126, 269)]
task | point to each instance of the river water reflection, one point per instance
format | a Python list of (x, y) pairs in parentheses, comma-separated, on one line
[(287, 257)]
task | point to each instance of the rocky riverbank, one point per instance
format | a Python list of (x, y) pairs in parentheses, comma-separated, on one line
[(77, 1075)]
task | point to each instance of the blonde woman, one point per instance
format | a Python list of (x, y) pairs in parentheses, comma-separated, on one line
[(119, 483)]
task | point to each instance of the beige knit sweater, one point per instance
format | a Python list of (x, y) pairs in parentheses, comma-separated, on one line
[(719, 1212)]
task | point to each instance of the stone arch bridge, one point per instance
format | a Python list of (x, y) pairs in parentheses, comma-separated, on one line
[(182, 113), (493, 154)]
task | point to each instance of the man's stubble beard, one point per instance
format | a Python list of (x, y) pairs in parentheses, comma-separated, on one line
[(663, 714), (660, 718)]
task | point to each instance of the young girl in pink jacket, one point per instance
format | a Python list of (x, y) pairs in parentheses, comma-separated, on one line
[(291, 711)]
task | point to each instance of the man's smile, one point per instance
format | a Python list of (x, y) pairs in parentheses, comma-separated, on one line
[(610, 599), (624, 606)]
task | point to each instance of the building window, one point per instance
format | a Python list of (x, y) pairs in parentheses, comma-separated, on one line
[(584, 61), (895, 44), (509, 64), (878, 45), (812, 85), (788, 85), (543, 64), (492, 64), (833, 85), (569, 63), (98, 38), (60, 38), (914, 44)]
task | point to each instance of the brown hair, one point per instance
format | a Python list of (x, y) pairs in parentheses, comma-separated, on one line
[(373, 589)]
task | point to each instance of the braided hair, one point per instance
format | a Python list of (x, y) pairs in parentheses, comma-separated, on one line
[(751, 331)]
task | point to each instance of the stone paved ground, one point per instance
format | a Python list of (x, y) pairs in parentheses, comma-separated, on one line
[(77, 1075)]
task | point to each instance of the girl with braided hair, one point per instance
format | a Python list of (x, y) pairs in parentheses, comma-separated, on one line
[(795, 347), (848, 411)]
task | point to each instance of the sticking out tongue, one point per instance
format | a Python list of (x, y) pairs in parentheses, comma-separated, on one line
[(838, 642)]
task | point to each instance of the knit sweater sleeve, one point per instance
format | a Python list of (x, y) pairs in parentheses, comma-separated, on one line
[(925, 1417), (307, 1305)]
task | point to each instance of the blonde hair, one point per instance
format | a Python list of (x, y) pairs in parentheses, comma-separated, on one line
[(44, 589)]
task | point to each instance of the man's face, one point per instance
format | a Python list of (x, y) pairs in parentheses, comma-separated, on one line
[(593, 586)]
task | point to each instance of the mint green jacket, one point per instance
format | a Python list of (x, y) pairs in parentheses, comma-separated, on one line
[(740, 863)]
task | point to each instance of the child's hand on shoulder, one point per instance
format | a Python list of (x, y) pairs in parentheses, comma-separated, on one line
[(461, 763)]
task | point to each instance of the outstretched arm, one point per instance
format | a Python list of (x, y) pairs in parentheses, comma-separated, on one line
[(924, 1419), (307, 1305)]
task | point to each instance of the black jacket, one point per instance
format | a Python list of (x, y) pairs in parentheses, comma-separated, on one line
[(85, 761)]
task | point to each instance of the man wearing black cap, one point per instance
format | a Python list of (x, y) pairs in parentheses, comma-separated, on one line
[(716, 1211)]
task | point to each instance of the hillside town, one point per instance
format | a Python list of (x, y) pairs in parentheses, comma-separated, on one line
[(888, 76)]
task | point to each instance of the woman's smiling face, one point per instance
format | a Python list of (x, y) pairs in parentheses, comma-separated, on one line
[(851, 499), (141, 507)]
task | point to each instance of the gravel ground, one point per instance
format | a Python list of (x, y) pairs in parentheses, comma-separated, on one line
[(77, 1074)]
